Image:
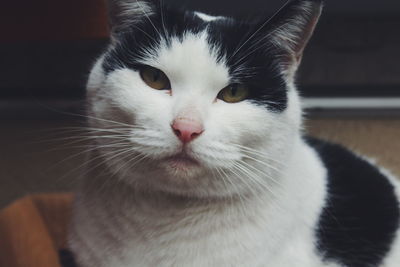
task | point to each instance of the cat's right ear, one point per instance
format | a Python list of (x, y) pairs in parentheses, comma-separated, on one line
[(123, 14), (292, 27)]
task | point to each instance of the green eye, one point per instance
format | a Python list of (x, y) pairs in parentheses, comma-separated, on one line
[(234, 93), (155, 78)]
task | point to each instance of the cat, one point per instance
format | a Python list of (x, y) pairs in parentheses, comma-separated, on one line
[(200, 158)]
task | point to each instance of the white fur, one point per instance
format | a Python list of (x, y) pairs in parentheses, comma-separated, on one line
[(245, 222), (135, 209), (156, 230), (208, 18)]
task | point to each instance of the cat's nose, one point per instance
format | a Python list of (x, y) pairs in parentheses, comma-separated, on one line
[(187, 130)]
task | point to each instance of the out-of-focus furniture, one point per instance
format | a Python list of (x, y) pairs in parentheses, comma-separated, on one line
[(33, 231)]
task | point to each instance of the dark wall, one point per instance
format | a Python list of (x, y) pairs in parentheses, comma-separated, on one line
[(46, 50), (354, 51), (333, 7)]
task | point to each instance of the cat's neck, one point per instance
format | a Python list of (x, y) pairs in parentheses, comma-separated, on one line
[(135, 222), (121, 197)]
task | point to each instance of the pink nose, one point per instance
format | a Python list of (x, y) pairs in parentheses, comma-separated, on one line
[(187, 130)]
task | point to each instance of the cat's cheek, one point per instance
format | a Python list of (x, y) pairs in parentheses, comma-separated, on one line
[(126, 88), (149, 107), (243, 120)]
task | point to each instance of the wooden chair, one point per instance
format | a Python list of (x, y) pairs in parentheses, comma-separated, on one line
[(33, 231)]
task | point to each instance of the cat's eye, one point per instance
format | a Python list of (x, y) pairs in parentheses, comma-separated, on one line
[(234, 93), (155, 78)]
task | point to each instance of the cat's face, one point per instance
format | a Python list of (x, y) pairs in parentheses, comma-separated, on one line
[(195, 104)]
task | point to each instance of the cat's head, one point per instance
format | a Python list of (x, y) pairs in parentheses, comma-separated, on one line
[(195, 104)]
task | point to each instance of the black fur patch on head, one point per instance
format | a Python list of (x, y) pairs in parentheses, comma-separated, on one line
[(251, 61), (361, 216), (250, 54)]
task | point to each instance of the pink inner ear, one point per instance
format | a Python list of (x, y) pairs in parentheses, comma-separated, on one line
[(186, 129)]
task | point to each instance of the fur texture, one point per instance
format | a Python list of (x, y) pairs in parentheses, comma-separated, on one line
[(248, 191)]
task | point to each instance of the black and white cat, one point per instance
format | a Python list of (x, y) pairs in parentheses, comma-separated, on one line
[(200, 158)]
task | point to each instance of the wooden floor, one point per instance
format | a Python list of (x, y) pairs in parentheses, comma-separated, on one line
[(377, 139), (41, 156)]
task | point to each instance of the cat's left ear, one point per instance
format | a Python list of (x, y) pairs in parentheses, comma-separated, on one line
[(293, 27), (125, 13)]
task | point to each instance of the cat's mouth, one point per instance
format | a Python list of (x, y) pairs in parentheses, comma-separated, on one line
[(182, 161)]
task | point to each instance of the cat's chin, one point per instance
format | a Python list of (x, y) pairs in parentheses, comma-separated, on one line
[(181, 162), (181, 165)]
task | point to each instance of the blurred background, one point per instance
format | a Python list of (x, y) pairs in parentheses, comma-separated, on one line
[(350, 78)]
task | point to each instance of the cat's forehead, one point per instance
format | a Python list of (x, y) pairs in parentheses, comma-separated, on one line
[(192, 58), (201, 49), (208, 18), (185, 35)]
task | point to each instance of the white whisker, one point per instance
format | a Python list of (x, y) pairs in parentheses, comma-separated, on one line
[(261, 172), (163, 18), (147, 16), (259, 153), (241, 198), (90, 149), (259, 29)]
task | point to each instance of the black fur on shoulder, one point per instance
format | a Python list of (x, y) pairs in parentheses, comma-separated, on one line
[(361, 214), (67, 258)]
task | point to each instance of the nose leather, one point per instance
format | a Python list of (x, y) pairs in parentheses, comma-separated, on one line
[(186, 129)]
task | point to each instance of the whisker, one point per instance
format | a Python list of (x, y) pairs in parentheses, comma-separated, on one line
[(162, 17), (265, 164), (109, 179), (145, 33), (123, 165), (90, 149), (244, 181), (259, 153), (94, 129), (249, 175), (259, 29), (238, 193), (105, 157), (261, 172), (147, 16), (87, 136), (255, 179), (98, 119)]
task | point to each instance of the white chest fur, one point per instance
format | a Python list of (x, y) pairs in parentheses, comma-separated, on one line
[(118, 228)]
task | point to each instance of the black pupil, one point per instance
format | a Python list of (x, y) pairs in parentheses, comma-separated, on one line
[(156, 75), (234, 89)]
